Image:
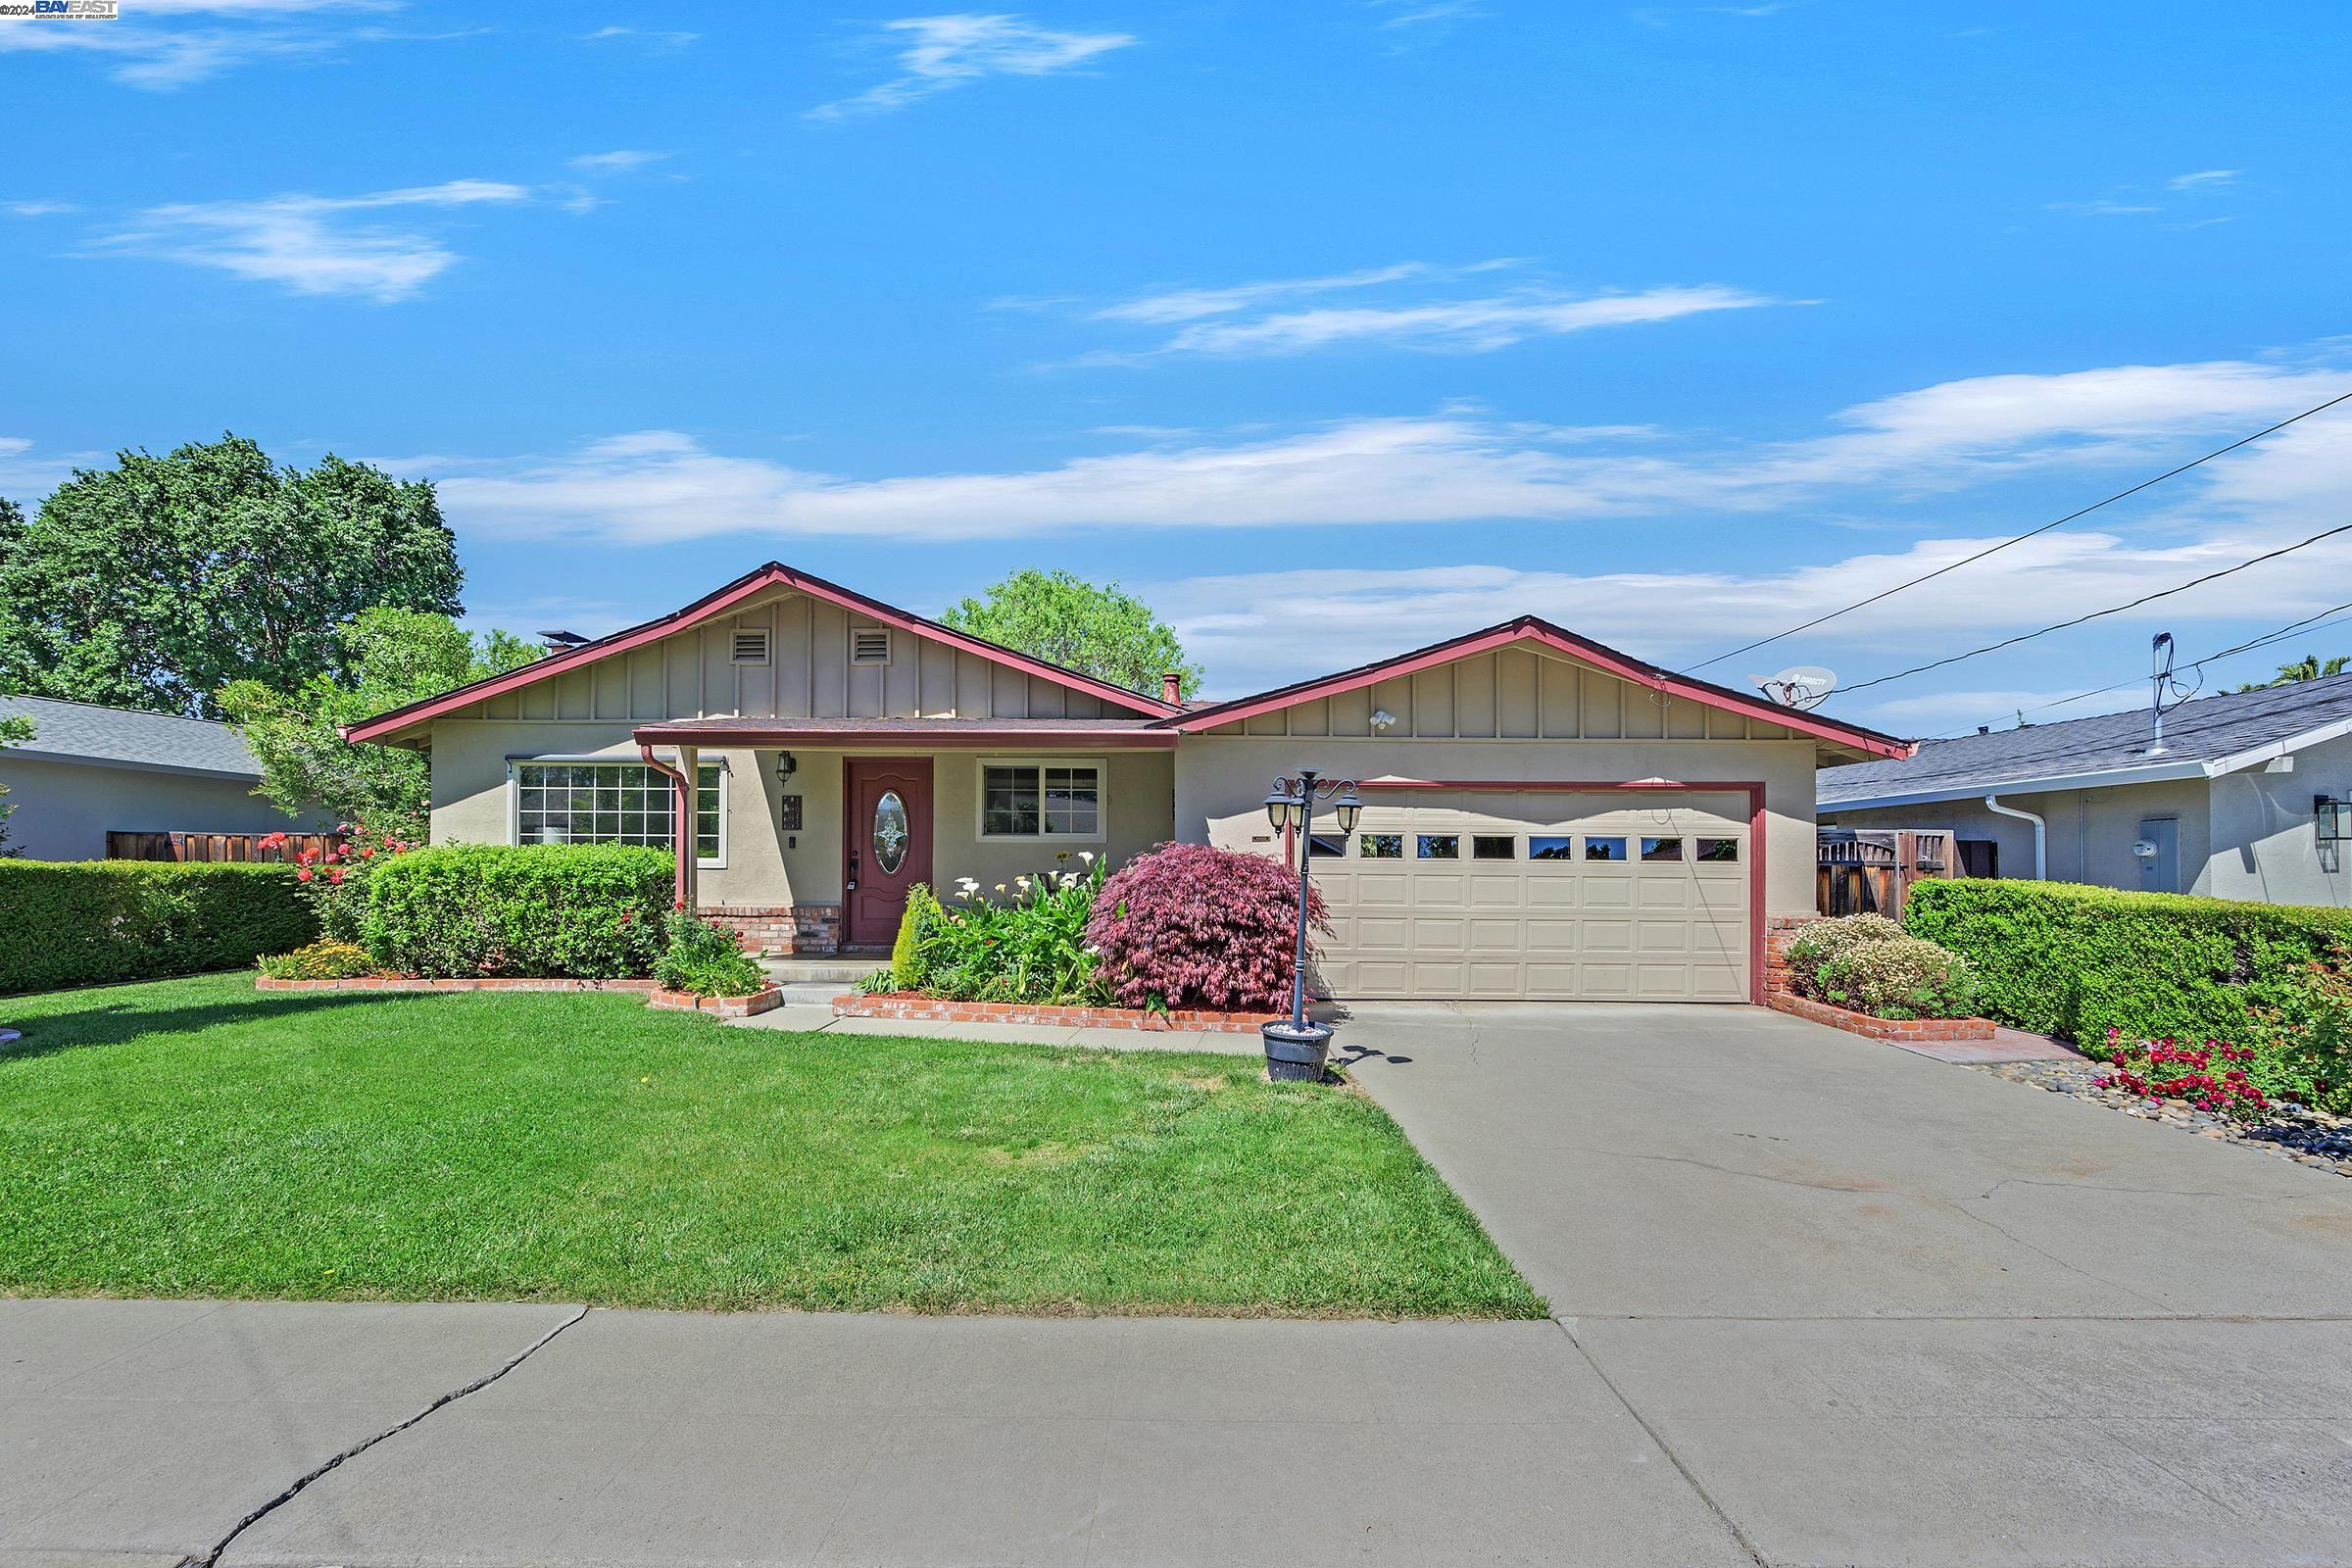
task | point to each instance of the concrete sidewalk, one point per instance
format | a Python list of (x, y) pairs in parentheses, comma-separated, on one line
[(808, 1018), (636, 1438)]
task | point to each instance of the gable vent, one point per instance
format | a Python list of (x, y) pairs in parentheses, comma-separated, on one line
[(751, 647), (869, 646)]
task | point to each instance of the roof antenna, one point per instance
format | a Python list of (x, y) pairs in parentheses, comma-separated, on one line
[(2160, 658), (1801, 686)]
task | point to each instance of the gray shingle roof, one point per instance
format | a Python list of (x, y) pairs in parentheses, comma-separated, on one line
[(85, 732), (2204, 730)]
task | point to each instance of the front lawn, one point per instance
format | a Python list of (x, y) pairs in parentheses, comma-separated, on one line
[(198, 1137)]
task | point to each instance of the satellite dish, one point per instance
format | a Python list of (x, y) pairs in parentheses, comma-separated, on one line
[(1800, 686)]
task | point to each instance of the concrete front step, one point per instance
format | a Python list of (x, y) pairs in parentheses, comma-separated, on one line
[(835, 972)]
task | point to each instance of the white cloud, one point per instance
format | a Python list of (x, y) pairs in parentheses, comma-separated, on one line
[(37, 209), (2204, 177), (2103, 207), (309, 243), (1244, 318), (1456, 466), (652, 38), (155, 46), (624, 161), (1398, 14), (954, 50)]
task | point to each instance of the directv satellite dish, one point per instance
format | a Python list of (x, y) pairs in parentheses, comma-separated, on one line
[(1801, 686)]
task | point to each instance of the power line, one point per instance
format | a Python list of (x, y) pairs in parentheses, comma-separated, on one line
[(2298, 628), (2020, 539), (2113, 610)]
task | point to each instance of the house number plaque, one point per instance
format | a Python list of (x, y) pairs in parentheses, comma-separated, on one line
[(790, 810)]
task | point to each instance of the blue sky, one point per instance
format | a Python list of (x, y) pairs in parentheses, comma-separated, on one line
[(1332, 327)]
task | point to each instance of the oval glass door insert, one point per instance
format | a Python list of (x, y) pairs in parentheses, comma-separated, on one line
[(890, 833)]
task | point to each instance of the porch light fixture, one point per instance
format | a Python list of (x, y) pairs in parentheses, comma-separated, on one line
[(1295, 1047), (786, 765), (2333, 818)]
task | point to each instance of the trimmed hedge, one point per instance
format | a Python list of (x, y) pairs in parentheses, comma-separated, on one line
[(473, 911), (2075, 961), (88, 923)]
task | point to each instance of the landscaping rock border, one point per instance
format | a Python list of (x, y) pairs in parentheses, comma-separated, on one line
[(747, 1007), (2290, 1132), (908, 1005), (1906, 1031)]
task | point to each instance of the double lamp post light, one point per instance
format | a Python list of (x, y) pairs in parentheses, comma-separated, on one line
[(1295, 1048)]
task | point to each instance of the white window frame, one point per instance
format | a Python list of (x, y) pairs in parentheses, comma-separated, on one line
[(980, 770), (515, 766)]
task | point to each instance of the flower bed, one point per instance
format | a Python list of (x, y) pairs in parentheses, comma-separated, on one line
[(1903, 1031), (916, 1006), (758, 1002), (2296, 1133)]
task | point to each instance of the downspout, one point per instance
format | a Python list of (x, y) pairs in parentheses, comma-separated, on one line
[(2041, 830), (681, 824)]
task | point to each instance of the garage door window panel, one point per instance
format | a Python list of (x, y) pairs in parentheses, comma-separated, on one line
[(1597, 848), (1438, 845), (1493, 847), (1719, 852), (1549, 847), (1661, 848)]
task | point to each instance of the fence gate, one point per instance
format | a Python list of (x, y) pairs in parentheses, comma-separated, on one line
[(1870, 870)]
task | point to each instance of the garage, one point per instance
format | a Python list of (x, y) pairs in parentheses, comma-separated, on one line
[(1541, 896)]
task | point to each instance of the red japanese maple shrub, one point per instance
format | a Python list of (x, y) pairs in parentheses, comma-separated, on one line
[(1186, 925)]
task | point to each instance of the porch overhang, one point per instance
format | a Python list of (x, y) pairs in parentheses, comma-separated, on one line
[(922, 734)]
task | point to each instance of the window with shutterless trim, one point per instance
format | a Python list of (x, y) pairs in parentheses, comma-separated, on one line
[(1041, 800), (591, 801)]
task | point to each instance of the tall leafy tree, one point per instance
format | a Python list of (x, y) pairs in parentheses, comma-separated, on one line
[(156, 582), (390, 658), (1095, 627)]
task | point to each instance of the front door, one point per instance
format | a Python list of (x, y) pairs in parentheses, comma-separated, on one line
[(888, 847)]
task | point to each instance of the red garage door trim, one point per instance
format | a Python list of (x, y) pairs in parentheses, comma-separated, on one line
[(1753, 789)]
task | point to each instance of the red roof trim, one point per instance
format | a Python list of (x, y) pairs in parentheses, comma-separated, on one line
[(774, 574), (1529, 628)]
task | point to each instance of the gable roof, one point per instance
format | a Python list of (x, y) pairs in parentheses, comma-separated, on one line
[(1544, 633), (2202, 739), (776, 575), (126, 737)]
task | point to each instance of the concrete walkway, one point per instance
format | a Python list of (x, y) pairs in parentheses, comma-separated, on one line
[(810, 1019), (1820, 1300)]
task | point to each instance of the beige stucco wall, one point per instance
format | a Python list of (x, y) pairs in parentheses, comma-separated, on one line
[(65, 810), (470, 804), (1221, 782), (2264, 844), (2090, 831)]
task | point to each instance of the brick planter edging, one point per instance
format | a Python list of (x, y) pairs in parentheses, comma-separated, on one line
[(1900, 1030), (758, 1002), (911, 1007)]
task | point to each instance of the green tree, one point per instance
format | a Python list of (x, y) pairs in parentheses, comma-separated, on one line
[(2308, 668), (156, 582), (1093, 627), (392, 657), (15, 730)]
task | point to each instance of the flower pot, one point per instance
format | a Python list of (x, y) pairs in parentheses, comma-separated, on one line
[(1296, 1052)]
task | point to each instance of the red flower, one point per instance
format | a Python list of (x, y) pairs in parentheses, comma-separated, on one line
[(366, 855), (303, 875), (335, 876)]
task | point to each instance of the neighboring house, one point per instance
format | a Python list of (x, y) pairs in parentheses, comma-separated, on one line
[(1543, 818), (2227, 806), (89, 771)]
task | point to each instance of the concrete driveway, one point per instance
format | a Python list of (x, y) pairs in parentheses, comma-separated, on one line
[(1820, 1302), (1882, 1309)]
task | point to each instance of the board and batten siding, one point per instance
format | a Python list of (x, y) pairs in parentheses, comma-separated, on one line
[(808, 674), (1510, 694)]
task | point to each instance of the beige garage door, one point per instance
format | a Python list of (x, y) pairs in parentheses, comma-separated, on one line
[(1539, 896)]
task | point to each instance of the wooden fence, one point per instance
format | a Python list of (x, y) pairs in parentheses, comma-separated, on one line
[(122, 846), (1870, 870)]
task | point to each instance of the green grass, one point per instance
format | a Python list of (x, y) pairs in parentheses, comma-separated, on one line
[(198, 1137)]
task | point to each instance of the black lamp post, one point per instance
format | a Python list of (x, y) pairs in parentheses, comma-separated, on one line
[(1294, 1047)]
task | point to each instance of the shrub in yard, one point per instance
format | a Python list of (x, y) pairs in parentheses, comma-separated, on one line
[(907, 967), (591, 910), (2077, 961), (2305, 1044), (327, 959), (2214, 1077), (705, 957), (1188, 925), (333, 879), (1818, 943), (1029, 944), (1898, 977), (84, 922)]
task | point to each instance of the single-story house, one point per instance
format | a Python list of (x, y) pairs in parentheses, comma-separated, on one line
[(2242, 799), (91, 770), (1544, 816)]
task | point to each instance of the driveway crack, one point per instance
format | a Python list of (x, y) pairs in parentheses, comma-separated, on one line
[(212, 1559)]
